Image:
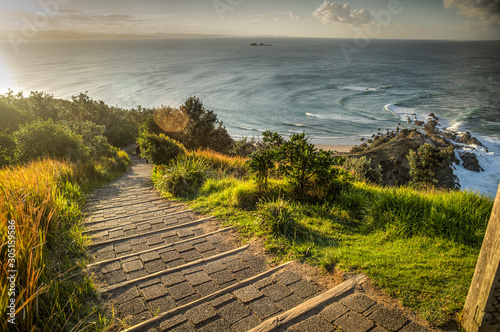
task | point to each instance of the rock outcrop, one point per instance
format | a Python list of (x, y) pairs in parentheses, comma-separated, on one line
[(391, 151)]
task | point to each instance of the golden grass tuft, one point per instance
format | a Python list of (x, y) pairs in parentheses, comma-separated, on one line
[(28, 195)]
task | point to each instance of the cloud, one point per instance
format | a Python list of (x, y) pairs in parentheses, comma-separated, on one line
[(487, 11), (333, 13), (293, 17)]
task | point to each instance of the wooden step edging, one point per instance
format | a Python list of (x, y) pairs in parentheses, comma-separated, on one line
[(142, 326), (177, 268), (157, 248), (133, 222), (290, 317), (119, 239), (133, 215)]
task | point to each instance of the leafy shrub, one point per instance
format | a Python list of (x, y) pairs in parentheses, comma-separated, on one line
[(261, 164), (362, 167), (10, 118), (424, 162), (277, 217), (7, 149), (302, 162), (184, 176), (244, 147), (48, 139), (160, 149)]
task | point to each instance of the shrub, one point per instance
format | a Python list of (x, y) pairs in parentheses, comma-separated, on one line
[(10, 118), (160, 149), (363, 169), (184, 176), (261, 164), (300, 162), (48, 139), (7, 149), (244, 147), (277, 217), (424, 162)]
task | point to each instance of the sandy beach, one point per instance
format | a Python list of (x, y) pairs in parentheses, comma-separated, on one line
[(335, 148)]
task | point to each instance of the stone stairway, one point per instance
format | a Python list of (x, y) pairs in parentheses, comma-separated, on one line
[(159, 266)]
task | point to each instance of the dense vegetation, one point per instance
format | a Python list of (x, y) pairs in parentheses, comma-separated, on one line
[(52, 152), (419, 244)]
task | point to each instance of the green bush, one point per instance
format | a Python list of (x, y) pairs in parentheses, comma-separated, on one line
[(7, 150), (363, 169), (184, 176), (48, 139), (160, 149), (10, 118), (277, 217), (424, 162), (301, 162)]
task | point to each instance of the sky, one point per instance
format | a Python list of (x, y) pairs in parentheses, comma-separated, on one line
[(387, 19)]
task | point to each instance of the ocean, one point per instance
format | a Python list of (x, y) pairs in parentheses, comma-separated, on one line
[(293, 86)]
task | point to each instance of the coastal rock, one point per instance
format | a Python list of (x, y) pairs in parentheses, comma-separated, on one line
[(466, 138), (419, 123), (470, 162)]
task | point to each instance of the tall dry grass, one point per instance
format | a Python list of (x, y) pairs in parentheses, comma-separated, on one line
[(43, 198), (28, 195)]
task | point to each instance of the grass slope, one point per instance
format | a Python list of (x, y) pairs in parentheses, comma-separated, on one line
[(420, 246)]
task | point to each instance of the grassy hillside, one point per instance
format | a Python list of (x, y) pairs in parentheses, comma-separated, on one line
[(419, 245)]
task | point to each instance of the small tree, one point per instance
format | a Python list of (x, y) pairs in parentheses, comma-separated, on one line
[(301, 161), (203, 129), (424, 162), (160, 149)]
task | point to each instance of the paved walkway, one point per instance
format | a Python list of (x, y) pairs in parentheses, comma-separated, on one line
[(161, 267)]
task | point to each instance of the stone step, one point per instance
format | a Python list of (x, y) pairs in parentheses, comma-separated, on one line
[(148, 212), (174, 287), (199, 242), (119, 224), (105, 199), (126, 189), (344, 308), (182, 228), (238, 307), (127, 203)]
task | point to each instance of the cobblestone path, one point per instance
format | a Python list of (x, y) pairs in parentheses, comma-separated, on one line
[(161, 267)]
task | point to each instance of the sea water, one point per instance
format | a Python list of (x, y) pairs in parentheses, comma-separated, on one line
[(293, 86)]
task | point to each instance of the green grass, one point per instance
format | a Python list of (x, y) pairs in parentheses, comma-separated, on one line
[(419, 246)]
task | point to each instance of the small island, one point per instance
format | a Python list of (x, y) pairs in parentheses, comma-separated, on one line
[(261, 44)]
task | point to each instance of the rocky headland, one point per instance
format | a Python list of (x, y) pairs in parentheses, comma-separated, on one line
[(390, 150)]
